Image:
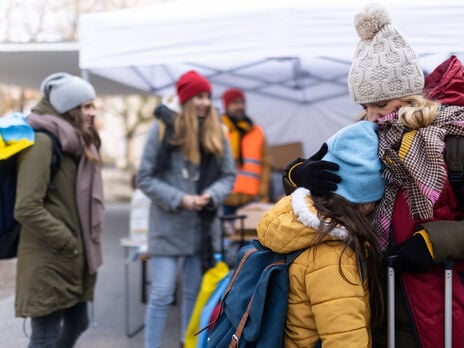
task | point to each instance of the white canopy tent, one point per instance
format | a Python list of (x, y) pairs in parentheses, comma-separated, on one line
[(290, 56)]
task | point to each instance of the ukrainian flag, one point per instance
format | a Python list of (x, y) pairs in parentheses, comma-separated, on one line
[(15, 135)]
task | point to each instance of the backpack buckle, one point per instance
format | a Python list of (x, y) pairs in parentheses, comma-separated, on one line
[(236, 339)]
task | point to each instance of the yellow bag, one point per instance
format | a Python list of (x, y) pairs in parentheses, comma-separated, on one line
[(210, 280)]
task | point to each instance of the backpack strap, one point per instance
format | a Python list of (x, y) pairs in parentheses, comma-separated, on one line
[(234, 342), (237, 271), (293, 255), (289, 258), (161, 130), (245, 256), (454, 154), (57, 156)]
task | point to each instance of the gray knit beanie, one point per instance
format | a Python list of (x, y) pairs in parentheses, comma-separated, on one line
[(384, 65), (65, 91)]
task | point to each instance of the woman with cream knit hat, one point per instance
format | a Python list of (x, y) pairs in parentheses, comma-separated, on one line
[(419, 217)]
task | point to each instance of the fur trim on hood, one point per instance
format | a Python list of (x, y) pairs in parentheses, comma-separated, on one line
[(293, 223), (308, 218)]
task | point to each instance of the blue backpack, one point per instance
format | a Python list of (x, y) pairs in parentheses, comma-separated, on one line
[(254, 305), (9, 227)]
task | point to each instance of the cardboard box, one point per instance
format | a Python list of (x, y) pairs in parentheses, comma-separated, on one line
[(282, 154), (253, 212)]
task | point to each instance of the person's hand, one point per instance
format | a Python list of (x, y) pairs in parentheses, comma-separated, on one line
[(413, 255), (188, 202), (202, 200), (314, 174)]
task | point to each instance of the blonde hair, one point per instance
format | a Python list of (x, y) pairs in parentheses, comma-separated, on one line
[(186, 128), (420, 112)]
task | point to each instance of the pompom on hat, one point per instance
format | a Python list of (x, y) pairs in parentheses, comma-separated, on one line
[(355, 149), (65, 91), (230, 95), (190, 84), (384, 65)]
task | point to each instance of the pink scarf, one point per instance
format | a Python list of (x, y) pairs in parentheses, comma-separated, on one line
[(89, 184)]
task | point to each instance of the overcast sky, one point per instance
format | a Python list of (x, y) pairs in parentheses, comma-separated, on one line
[(25, 16), (21, 17)]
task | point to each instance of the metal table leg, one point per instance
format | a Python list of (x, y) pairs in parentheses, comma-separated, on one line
[(129, 332), (93, 322)]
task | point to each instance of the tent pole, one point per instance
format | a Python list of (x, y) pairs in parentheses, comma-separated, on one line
[(85, 75)]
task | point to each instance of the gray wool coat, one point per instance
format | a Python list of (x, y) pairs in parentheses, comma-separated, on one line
[(174, 231)]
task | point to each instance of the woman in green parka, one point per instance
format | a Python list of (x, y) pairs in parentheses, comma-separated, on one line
[(60, 216)]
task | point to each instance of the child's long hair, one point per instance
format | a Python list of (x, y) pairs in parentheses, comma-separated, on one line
[(186, 128), (336, 211)]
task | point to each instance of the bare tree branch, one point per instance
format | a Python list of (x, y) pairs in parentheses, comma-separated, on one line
[(11, 4)]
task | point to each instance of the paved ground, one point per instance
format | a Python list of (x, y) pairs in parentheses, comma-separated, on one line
[(109, 328)]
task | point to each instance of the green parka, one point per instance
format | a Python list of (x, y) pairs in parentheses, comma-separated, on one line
[(51, 268)]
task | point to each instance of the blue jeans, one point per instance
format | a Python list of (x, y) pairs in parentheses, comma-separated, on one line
[(163, 271), (59, 329)]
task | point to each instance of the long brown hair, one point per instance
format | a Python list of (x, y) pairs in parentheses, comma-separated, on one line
[(89, 134), (335, 211), (186, 129)]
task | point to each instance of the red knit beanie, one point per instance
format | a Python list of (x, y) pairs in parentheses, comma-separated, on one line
[(190, 84), (230, 95)]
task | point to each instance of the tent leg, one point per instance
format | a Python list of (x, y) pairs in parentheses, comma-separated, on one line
[(85, 75)]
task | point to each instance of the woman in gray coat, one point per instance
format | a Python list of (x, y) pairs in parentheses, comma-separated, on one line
[(187, 170)]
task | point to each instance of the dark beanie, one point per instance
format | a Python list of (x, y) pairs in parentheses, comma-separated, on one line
[(190, 84), (230, 95)]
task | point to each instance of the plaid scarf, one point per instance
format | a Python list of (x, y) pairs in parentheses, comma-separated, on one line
[(414, 160)]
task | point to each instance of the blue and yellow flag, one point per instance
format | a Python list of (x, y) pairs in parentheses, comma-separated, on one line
[(15, 135)]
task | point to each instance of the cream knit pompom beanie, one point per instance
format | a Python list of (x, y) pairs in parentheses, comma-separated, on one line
[(384, 65)]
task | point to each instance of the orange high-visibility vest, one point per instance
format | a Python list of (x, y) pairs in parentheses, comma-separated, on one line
[(249, 175)]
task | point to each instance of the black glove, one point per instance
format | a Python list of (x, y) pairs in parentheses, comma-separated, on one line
[(314, 174), (413, 255)]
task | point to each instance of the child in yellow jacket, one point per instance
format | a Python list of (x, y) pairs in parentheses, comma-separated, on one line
[(329, 288)]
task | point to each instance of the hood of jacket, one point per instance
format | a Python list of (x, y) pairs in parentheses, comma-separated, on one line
[(293, 223), (445, 83), (44, 107)]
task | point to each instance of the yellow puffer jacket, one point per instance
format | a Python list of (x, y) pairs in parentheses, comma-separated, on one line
[(322, 305)]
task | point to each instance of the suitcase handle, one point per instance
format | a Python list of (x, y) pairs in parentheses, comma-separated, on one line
[(391, 263), (448, 303)]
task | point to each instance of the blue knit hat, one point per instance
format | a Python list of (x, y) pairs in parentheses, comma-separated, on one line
[(355, 150), (65, 91)]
